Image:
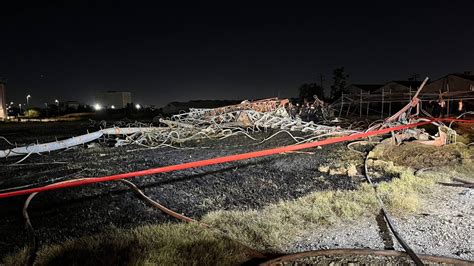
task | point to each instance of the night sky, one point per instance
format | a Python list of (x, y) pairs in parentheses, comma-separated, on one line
[(175, 53)]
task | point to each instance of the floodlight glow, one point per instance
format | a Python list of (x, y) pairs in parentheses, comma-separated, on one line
[(112, 107), (138, 106), (97, 107)]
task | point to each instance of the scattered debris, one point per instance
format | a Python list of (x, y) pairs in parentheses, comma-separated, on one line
[(218, 123)]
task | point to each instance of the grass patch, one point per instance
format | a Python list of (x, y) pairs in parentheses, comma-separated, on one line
[(164, 244), (273, 227), (403, 194), (416, 155)]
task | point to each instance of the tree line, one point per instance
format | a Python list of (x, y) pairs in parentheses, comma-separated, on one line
[(339, 83)]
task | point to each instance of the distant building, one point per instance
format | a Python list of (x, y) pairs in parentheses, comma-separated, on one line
[(114, 99), (3, 101), (364, 88), (451, 83), (456, 89), (72, 105), (399, 86)]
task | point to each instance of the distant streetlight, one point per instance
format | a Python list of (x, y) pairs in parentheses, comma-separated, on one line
[(112, 107), (57, 102), (19, 105), (138, 106), (28, 99), (97, 107)]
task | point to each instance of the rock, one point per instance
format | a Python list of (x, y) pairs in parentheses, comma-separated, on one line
[(352, 170), (338, 171), (323, 168)]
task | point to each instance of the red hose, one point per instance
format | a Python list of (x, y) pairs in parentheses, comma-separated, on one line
[(219, 160)]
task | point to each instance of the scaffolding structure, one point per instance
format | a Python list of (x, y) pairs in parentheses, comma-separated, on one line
[(366, 103)]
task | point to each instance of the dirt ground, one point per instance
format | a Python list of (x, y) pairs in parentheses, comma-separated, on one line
[(74, 212), (246, 185)]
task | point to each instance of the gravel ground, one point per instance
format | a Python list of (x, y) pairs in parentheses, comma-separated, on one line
[(443, 226), (351, 260)]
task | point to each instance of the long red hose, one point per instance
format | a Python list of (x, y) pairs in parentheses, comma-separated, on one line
[(219, 160)]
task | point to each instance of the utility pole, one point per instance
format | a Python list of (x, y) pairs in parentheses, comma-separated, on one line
[(414, 77), (321, 79)]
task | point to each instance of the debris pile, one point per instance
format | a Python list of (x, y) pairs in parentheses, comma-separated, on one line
[(245, 118), (217, 123)]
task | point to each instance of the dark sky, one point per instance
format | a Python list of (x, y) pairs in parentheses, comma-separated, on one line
[(68, 50)]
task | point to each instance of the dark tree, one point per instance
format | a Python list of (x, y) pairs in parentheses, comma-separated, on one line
[(308, 90), (340, 82)]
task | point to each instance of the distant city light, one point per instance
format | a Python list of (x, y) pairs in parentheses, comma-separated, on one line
[(97, 107), (138, 106), (112, 107)]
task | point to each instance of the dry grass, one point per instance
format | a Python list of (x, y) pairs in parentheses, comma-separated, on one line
[(269, 229), (18, 258), (277, 225), (403, 194), (416, 155), (164, 244)]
